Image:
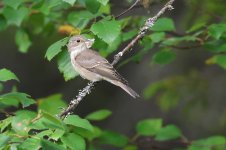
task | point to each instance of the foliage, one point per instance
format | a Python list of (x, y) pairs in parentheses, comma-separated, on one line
[(40, 128)]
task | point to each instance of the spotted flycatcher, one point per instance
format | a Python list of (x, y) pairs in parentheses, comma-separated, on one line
[(90, 65)]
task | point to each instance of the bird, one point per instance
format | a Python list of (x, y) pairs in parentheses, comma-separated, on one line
[(92, 66)]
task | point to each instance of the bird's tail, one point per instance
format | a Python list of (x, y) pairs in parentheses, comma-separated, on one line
[(127, 89)]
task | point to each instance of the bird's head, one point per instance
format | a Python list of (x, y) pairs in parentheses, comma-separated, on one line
[(79, 42)]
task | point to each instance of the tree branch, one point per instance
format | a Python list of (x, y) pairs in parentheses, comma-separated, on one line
[(143, 30), (130, 8)]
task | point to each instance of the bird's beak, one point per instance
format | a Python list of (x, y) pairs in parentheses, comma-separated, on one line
[(89, 42)]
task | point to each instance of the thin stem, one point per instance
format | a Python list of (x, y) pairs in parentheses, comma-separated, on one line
[(130, 8)]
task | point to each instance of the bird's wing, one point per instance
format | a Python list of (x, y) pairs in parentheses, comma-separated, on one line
[(92, 61)]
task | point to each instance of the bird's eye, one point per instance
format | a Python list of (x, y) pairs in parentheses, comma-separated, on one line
[(78, 41)]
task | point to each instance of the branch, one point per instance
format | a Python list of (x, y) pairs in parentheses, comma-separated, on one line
[(130, 8), (143, 30)]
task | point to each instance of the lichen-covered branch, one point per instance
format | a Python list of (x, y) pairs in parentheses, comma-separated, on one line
[(143, 30)]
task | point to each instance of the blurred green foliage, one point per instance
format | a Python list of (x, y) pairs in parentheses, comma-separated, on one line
[(23, 129)]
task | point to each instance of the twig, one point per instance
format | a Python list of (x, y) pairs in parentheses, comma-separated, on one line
[(130, 8), (148, 24)]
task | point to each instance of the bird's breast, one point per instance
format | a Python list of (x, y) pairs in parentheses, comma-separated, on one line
[(83, 72)]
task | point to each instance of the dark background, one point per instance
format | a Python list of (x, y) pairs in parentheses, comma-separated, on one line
[(40, 78)]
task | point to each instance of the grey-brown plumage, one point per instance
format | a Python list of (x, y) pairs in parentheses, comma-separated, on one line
[(90, 65)]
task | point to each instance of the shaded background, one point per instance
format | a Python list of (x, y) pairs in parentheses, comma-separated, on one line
[(205, 116)]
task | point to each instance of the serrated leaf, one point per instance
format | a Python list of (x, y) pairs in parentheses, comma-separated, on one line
[(23, 98), (56, 48), (163, 57), (108, 31), (65, 66), (216, 30), (20, 122), (22, 40), (148, 127), (6, 75), (80, 19), (76, 121), (169, 132), (13, 3), (74, 141), (51, 104), (71, 2), (92, 5), (99, 115), (103, 2), (47, 145), (164, 24), (113, 138), (15, 17)]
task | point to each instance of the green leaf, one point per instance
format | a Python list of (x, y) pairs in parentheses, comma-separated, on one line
[(47, 145), (65, 66), (20, 122), (80, 19), (99, 115), (52, 121), (177, 40), (6, 75), (113, 138), (13, 3), (3, 23), (31, 143), (4, 139), (92, 5), (5, 123), (22, 40), (220, 60), (74, 141), (197, 26), (164, 57), (216, 30), (57, 134), (103, 2), (169, 132), (215, 142), (89, 135), (163, 24), (71, 2), (56, 48), (130, 147), (157, 36), (76, 121), (149, 127), (15, 17), (51, 104), (44, 133), (151, 90), (128, 35), (23, 98), (108, 31)]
